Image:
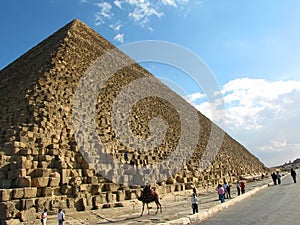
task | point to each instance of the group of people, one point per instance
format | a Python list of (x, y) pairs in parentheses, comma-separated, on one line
[(276, 177), (224, 192), (60, 217)]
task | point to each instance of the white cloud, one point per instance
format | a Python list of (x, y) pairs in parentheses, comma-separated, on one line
[(104, 13), (117, 26), (262, 115), (118, 3), (143, 10), (169, 2), (119, 38), (138, 12)]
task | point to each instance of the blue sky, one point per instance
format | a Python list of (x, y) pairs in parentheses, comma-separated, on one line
[(251, 47)]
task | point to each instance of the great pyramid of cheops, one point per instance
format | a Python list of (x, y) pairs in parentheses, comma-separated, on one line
[(61, 144)]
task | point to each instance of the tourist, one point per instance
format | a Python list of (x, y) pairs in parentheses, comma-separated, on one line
[(194, 203), (221, 193), (44, 217), (60, 217), (243, 187), (126, 157), (228, 191), (278, 177), (274, 178), (293, 174), (238, 187), (225, 189)]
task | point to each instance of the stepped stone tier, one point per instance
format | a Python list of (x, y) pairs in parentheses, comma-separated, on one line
[(41, 164)]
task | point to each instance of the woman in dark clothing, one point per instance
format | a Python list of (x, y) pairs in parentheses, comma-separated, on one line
[(293, 174)]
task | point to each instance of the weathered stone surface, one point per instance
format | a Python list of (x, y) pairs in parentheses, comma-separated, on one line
[(8, 210), (28, 215), (5, 195), (30, 192), (18, 193), (39, 181)]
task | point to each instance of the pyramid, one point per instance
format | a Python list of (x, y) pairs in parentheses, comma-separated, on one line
[(49, 156)]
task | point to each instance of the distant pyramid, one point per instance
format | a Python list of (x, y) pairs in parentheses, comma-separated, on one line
[(39, 154)]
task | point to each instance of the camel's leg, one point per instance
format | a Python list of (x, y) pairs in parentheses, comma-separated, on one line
[(158, 205), (143, 208), (148, 209)]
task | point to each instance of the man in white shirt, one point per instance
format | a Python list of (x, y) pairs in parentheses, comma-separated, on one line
[(44, 217), (60, 217), (194, 203)]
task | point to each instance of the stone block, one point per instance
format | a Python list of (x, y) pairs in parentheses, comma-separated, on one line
[(110, 187), (96, 189), (54, 181), (28, 215), (8, 210), (5, 183), (40, 182), (18, 193), (47, 192), (27, 203), (80, 204), (24, 181), (30, 192), (10, 222), (5, 195), (120, 196)]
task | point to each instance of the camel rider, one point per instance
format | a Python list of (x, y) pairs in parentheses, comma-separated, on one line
[(147, 189)]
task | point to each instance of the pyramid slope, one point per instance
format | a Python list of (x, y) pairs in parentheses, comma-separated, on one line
[(38, 149)]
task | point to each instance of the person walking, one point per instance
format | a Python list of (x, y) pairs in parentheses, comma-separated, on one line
[(221, 193), (195, 203), (278, 177), (274, 178), (225, 185), (60, 217), (293, 174), (44, 217), (243, 187), (238, 188)]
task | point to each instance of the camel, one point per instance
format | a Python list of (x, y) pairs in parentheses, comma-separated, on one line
[(147, 196)]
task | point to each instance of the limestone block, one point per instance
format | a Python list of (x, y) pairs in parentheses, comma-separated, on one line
[(21, 172), (67, 189), (30, 192), (70, 203), (5, 194), (96, 189), (120, 196), (8, 210), (110, 187), (170, 180), (24, 181), (92, 180), (40, 204), (5, 183), (43, 164), (39, 181), (26, 164), (28, 215), (84, 187), (10, 222), (27, 203), (47, 192), (88, 173), (54, 181), (80, 204), (18, 193)]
